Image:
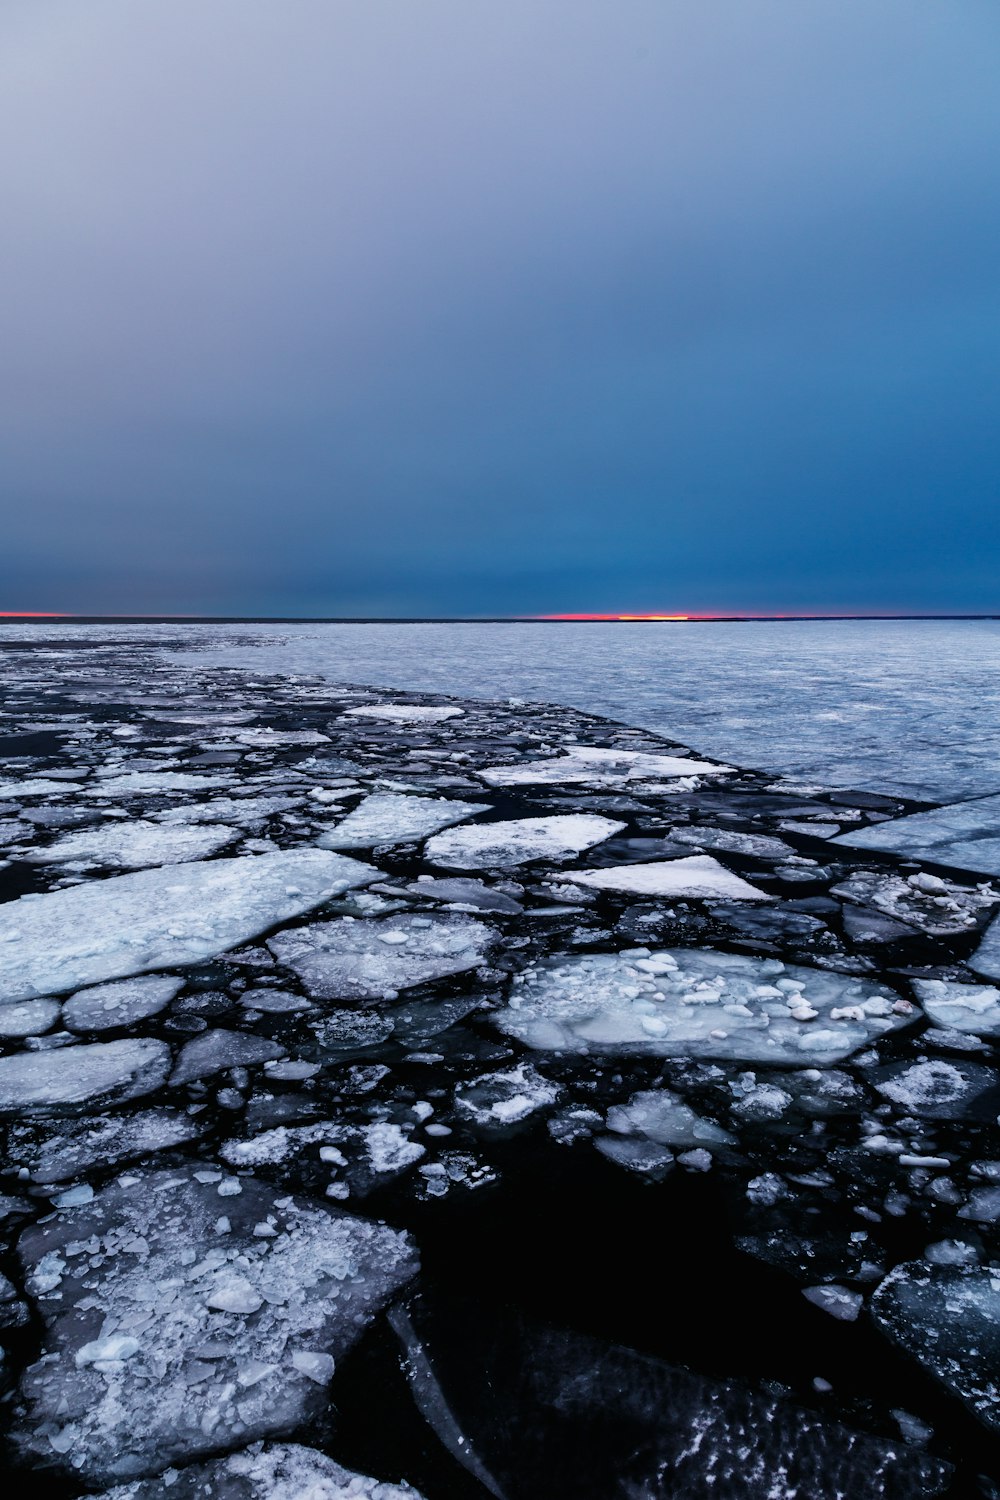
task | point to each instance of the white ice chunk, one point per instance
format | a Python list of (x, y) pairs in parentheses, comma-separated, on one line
[(963, 1007), (504, 845), (67, 1077), (926, 901), (279, 1471), (498, 1100), (696, 1003), (120, 1003), (152, 783), (361, 959), (403, 713), (156, 919), (840, 1303), (217, 1051), (29, 1018), (661, 1116), (699, 876), (158, 1270), (594, 766), (135, 845), (394, 818)]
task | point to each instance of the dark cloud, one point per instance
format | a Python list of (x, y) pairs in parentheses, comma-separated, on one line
[(347, 305)]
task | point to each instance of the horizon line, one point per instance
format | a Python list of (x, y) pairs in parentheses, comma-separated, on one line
[(53, 616)]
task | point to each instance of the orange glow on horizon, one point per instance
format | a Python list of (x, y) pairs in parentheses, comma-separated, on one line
[(31, 614)]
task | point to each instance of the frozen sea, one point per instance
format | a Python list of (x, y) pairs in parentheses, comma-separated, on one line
[(906, 707)]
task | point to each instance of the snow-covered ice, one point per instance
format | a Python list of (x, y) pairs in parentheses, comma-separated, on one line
[(28, 1018), (519, 841), (933, 905), (274, 1471), (697, 1003), (659, 1115), (67, 1078), (135, 845), (172, 1326), (121, 1002), (498, 1100), (592, 766), (699, 876), (963, 1007), (160, 918), (153, 783), (394, 818), (403, 713), (80, 1145), (361, 959)]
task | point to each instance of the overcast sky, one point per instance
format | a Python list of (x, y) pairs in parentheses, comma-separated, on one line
[(499, 306)]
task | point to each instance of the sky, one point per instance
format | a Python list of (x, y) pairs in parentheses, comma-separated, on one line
[(351, 307)]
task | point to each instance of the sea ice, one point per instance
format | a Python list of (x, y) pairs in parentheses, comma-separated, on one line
[(755, 845), (986, 959), (661, 1116), (136, 844), (160, 918), (78, 1147), (172, 1325), (29, 1018), (241, 810), (505, 845), (697, 1003), (963, 1007), (360, 959), (964, 834), (593, 766), (472, 894), (403, 713), (217, 1051), (120, 1003), (153, 783), (948, 1319), (699, 876), (64, 1078), (937, 1090), (498, 1100), (394, 818), (277, 1471), (925, 901)]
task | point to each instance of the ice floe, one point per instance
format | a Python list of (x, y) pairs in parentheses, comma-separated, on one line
[(933, 905), (153, 783), (659, 1115), (136, 844), (75, 1148), (178, 1307), (963, 834), (394, 818), (948, 1319), (160, 918), (28, 1018), (473, 895), (986, 959), (964, 1007), (122, 1002), (66, 1078), (698, 876), (274, 1471), (507, 844), (498, 1100), (593, 766), (697, 1003), (403, 713), (361, 959), (217, 1051)]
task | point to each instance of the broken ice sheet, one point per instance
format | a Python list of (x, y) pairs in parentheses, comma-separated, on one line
[(699, 877), (964, 834), (963, 1007), (935, 906), (160, 918), (403, 713), (277, 1471), (659, 1115), (174, 1337), (394, 818), (697, 1003), (948, 1319), (594, 766), (122, 1002), (498, 1100), (939, 1090), (74, 1149), (67, 1078), (358, 959), (137, 844), (507, 844)]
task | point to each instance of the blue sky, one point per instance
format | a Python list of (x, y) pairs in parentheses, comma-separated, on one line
[(365, 306)]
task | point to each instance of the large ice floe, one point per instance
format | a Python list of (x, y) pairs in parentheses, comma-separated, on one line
[(394, 818), (963, 1007), (698, 876), (591, 765), (403, 713), (134, 845), (505, 845), (122, 1002), (271, 1471), (963, 834), (69, 1078), (698, 1003), (927, 902), (948, 1319), (190, 1312), (358, 959), (160, 918), (986, 959)]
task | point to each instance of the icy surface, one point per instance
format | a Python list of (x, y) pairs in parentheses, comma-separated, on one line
[(964, 834), (924, 901), (964, 1007), (698, 876), (166, 1338), (661, 1116), (358, 959), (277, 1471), (76, 1147), (152, 783), (68, 1078), (29, 1018), (393, 818), (505, 845), (986, 959), (948, 1319), (159, 918), (697, 1003), (120, 1003), (593, 766), (135, 845), (404, 713), (217, 1051)]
